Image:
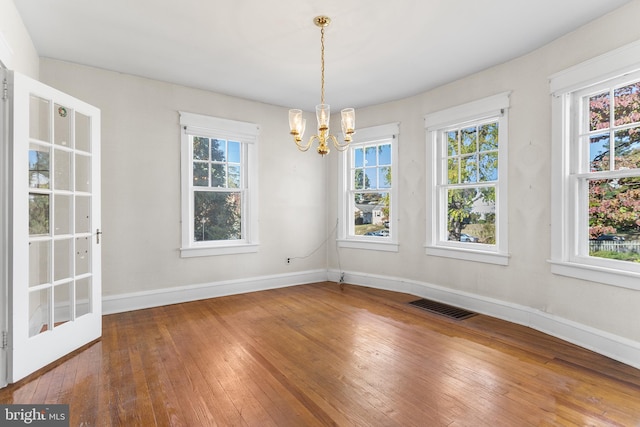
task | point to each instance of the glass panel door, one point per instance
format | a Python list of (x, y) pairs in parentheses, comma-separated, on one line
[(55, 305)]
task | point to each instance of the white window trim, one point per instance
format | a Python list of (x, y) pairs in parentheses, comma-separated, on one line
[(493, 106), (609, 66), (245, 133), (388, 244)]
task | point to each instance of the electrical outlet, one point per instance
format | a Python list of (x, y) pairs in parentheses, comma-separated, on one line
[(288, 260)]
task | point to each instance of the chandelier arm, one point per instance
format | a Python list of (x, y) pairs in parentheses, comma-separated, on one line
[(303, 147), (339, 146)]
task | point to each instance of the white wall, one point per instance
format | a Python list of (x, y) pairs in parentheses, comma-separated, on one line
[(527, 280), (141, 183), (16, 48)]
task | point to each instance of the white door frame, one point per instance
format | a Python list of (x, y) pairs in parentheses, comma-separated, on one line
[(4, 238)]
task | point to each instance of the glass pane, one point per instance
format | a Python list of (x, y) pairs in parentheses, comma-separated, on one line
[(234, 177), (469, 169), (83, 213), (371, 178), (83, 297), (471, 215), (218, 177), (626, 107), (218, 150), (371, 214), (62, 259), (358, 179), (83, 132), (452, 171), (61, 304), (370, 158), (384, 154), (83, 256), (234, 152), (468, 141), (384, 177), (488, 166), (39, 311), (488, 137), (599, 148), (83, 173), (613, 218), (200, 174), (39, 116), (38, 166), (39, 263), (62, 215), (599, 111), (38, 214), (627, 149), (62, 125), (217, 216), (62, 170), (200, 148), (358, 157), (452, 143)]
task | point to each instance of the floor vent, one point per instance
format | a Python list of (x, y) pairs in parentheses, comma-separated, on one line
[(443, 309)]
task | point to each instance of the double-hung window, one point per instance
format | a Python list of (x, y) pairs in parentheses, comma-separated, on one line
[(367, 206), (219, 200), (467, 154), (596, 169)]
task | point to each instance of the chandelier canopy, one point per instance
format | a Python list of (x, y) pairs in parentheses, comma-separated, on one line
[(297, 123)]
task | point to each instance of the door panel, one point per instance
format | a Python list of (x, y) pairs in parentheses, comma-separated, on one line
[(54, 280)]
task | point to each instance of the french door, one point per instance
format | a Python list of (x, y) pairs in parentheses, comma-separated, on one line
[(54, 280)]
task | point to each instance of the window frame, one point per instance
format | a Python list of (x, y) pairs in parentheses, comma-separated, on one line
[(368, 136), (437, 124), (198, 125), (569, 253)]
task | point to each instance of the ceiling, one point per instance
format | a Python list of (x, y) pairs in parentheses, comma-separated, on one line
[(269, 51)]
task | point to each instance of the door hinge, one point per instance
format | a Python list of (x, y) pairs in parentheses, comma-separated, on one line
[(5, 339), (5, 90)]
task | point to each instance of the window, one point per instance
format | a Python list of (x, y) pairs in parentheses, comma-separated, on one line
[(596, 202), (467, 150), (219, 201), (369, 197)]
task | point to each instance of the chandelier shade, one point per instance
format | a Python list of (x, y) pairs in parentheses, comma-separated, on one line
[(297, 123)]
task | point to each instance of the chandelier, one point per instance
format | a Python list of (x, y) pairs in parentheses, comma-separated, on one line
[(297, 124)]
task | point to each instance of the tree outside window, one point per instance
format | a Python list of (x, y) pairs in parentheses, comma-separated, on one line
[(472, 171), (613, 140)]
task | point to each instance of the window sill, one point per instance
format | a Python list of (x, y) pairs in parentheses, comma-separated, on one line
[(368, 245), (604, 275), (242, 248), (468, 254)]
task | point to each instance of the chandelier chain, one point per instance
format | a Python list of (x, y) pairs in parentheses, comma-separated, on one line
[(322, 62)]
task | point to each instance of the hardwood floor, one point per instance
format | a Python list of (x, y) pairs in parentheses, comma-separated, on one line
[(318, 355)]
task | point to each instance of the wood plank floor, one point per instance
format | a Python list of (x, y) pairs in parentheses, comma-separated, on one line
[(318, 355)]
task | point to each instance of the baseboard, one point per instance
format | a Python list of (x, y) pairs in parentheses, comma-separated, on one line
[(159, 297), (607, 344), (618, 348)]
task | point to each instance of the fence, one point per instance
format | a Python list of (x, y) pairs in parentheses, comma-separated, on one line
[(614, 246)]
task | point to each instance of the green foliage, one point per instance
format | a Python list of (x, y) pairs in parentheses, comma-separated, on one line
[(216, 214), (622, 256), (472, 157)]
